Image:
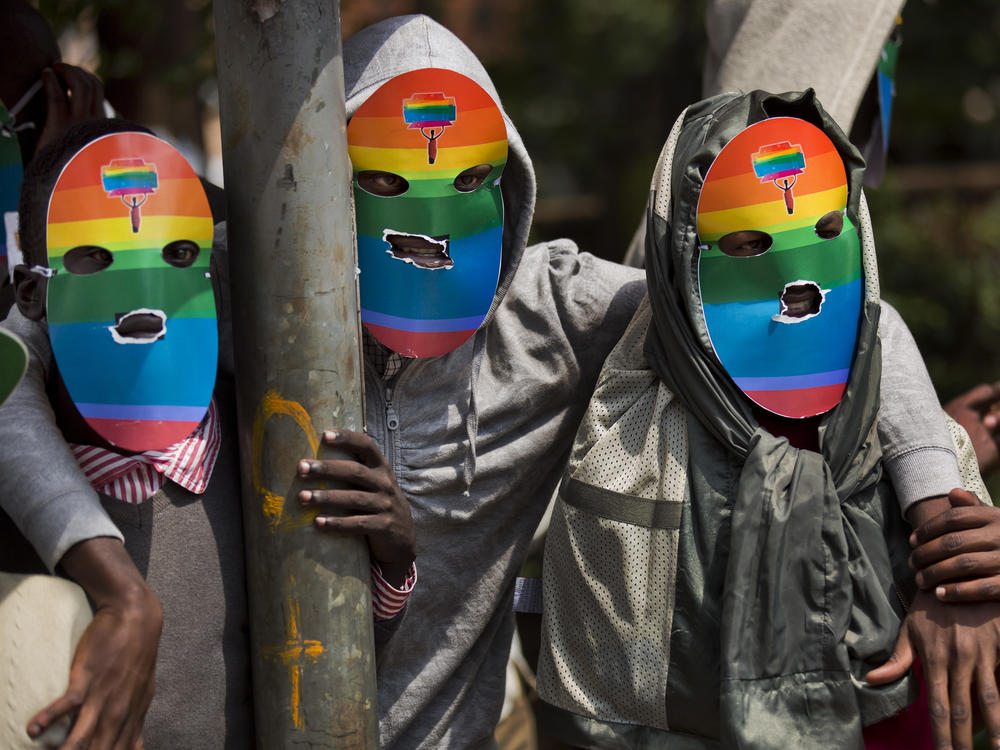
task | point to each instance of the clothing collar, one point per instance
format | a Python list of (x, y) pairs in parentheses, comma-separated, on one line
[(134, 479)]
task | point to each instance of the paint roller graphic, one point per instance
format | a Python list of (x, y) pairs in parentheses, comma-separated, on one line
[(133, 180), (429, 113), (780, 163)]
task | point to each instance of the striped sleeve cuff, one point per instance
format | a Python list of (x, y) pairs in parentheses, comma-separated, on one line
[(387, 600)]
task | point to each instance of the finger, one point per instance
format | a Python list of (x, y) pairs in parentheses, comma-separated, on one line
[(354, 525), (953, 520), (951, 546), (347, 501), (356, 443), (980, 397), (898, 664), (960, 699), (989, 699), (963, 567), (349, 472), (979, 590), (938, 704), (82, 730), (963, 498), (131, 734), (56, 104), (86, 92), (111, 724), (67, 703)]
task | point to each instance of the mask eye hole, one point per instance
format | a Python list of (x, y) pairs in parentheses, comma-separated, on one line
[(181, 253), (830, 226), (385, 184), (84, 260), (471, 178), (745, 244)]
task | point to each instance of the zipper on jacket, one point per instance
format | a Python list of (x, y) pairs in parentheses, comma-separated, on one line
[(391, 418)]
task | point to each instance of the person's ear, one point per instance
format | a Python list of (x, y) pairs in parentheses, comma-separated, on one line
[(29, 291)]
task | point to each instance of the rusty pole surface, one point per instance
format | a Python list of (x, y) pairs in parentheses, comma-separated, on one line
[(298, 363)]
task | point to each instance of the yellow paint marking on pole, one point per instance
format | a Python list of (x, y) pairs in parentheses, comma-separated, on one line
[(293, 655), (273, 505)]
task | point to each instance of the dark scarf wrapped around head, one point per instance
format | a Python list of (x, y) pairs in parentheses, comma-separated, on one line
[(806, 609)]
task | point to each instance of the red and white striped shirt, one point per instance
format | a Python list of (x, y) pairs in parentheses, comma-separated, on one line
[(388, 601), (189, 463), (134, 479)]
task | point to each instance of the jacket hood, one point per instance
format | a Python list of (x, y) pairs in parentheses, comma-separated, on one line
[(697, 137), (401, 44)]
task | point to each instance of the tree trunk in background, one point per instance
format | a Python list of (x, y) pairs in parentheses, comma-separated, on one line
[(298, 363)]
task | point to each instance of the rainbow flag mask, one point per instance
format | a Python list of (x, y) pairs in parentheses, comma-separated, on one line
[(780, 281), (428, 148), (130, 308), (10, 176)]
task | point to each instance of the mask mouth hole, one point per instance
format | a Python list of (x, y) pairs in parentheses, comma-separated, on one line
[(139, 326), (419, 249), (801, 299), (746, 243)]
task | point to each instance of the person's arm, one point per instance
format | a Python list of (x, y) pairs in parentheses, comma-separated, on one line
[(917, 450), (111, 678), (42, 487), (46, 494), (959, 646)]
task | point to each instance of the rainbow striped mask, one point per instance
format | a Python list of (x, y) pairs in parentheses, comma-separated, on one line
[(780, 266), (130, 308), (428, 148)]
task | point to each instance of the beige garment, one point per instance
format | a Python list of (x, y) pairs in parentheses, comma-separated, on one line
[(41, 620), (616, 518), (779, 46), (968, 464)]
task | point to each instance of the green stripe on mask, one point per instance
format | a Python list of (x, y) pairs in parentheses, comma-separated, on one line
[(829, 263), (179, 292), (462, 215)]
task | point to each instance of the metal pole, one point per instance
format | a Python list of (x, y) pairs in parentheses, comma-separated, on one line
[(296, 334)]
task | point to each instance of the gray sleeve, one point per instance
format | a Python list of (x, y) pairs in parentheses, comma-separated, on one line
[(917, 448), (42, 488)]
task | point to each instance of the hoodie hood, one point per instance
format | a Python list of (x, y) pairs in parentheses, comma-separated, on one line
[(407, 43)]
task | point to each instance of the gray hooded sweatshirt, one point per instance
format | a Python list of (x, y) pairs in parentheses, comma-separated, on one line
[(478, 440), (482, 431)]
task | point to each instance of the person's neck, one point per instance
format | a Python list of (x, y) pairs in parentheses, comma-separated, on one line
[(801, 433)]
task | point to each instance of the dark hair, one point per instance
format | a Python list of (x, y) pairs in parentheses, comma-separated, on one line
[(41, 175)]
